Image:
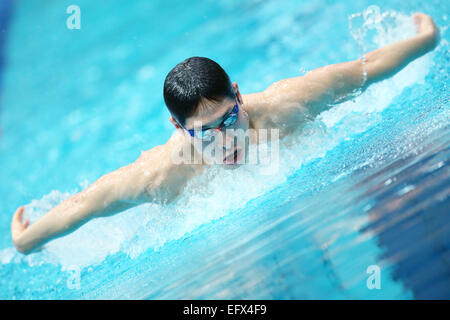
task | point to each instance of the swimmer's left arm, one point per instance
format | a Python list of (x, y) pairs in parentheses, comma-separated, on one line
[(322, 87), (318, 89)]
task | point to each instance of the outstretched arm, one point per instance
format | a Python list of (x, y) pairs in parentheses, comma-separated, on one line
[(319, 88), (112, 193), (385, 62)]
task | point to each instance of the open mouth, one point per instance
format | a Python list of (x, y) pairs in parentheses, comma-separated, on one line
[(234, 157)]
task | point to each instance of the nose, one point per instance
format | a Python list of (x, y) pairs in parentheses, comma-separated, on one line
[(229, 140)]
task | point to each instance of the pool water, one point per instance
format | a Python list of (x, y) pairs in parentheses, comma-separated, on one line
[(366, 185)]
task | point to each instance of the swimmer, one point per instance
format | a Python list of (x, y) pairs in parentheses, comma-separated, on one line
[(198, 90)]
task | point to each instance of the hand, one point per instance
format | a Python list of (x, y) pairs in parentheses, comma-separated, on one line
[(18, 227), (425, 25)]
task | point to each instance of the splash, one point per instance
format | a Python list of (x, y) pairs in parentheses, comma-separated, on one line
[(372, 28), (219, 192)]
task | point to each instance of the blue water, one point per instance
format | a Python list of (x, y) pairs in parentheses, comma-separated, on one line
[(368, 185)]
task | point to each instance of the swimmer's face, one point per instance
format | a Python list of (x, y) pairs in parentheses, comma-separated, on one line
[(228, 145)]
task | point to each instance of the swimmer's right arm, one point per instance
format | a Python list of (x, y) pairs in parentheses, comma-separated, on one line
[(112, 193)]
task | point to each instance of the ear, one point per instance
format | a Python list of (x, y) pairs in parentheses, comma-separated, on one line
[(175, 123), (238, 94)]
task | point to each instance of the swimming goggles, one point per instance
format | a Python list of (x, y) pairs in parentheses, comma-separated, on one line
[(206, 134)]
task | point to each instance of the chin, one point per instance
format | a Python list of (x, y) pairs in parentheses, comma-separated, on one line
[(231, 166), (234, 162)]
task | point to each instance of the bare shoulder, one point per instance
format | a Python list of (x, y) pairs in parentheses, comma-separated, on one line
[(308, 94), (258, 106), (159, 177), (273, 108)]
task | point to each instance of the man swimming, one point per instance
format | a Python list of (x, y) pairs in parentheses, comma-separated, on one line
[(198, 90)]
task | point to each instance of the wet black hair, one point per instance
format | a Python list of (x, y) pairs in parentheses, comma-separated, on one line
[(190, 81)]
